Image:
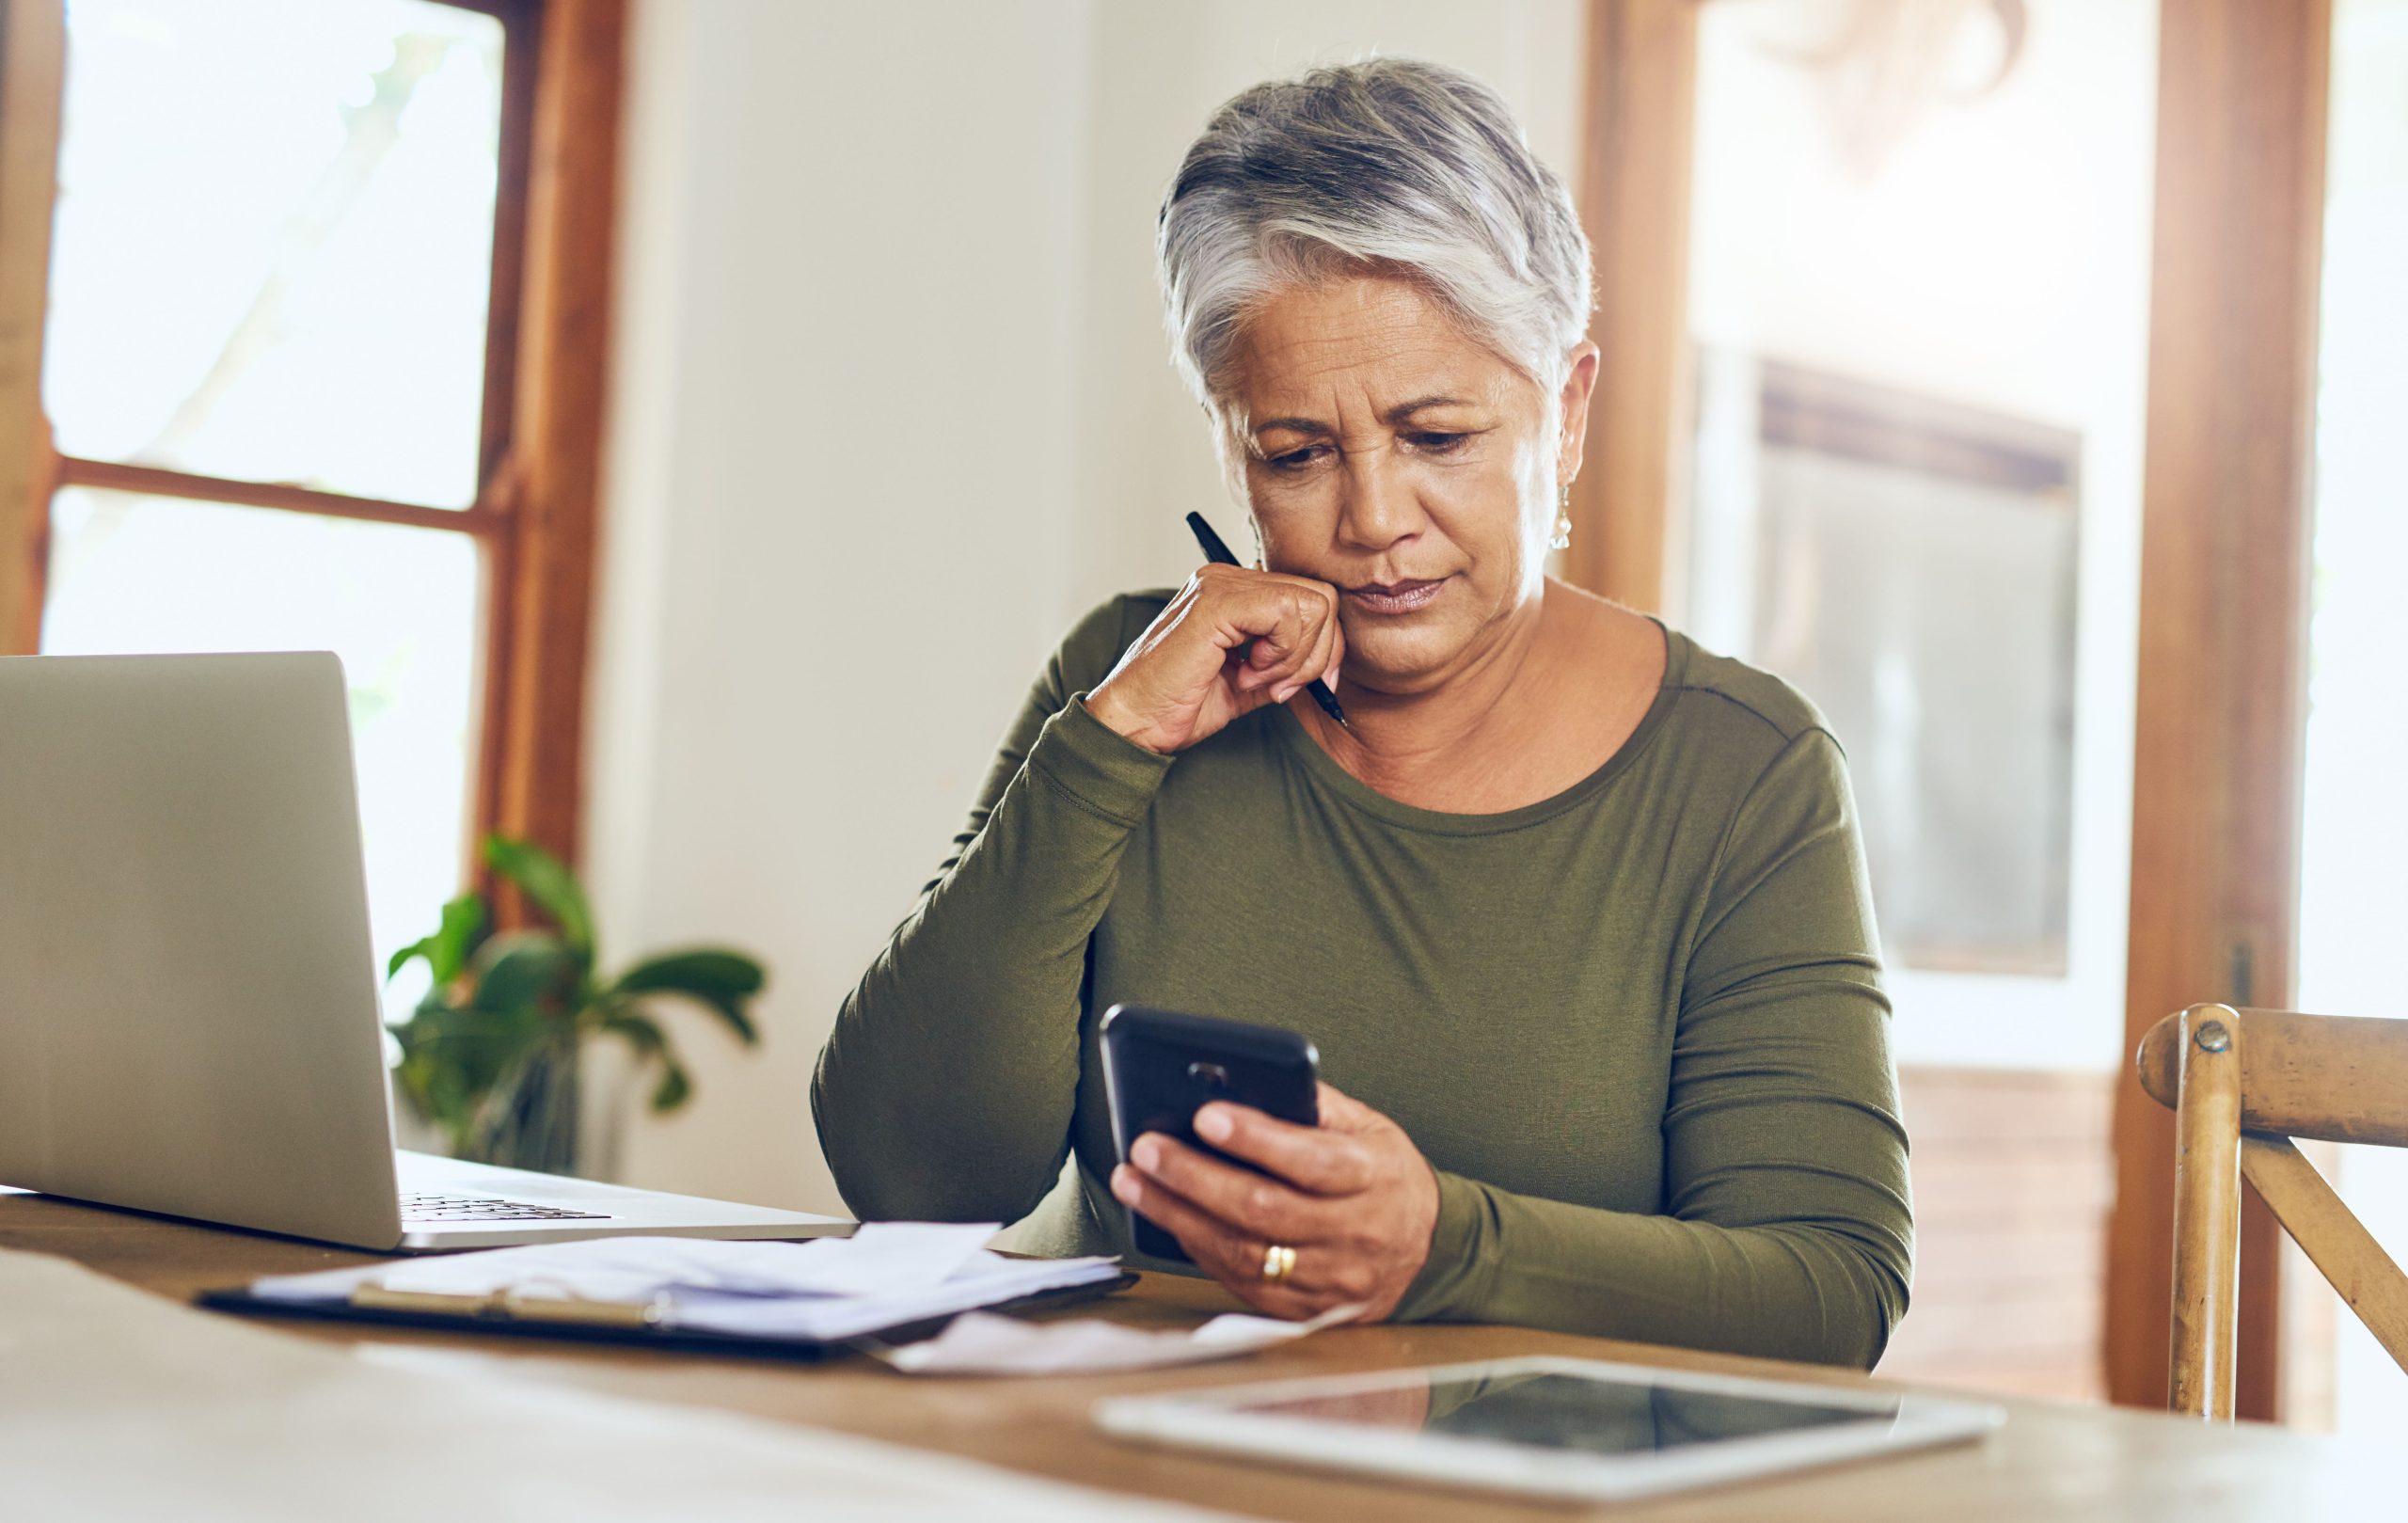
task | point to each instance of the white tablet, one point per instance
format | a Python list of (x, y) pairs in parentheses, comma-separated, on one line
[(1566, 1428)]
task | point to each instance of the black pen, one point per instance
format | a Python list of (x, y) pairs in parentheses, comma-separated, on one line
[(1219, 554)]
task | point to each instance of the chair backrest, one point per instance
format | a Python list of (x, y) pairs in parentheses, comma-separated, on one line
[(2242, 1084)]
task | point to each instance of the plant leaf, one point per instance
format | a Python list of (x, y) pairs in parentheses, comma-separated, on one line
[(642, 1032), (696, 970), (452, 1056), (401, 957), (523, 972), (546, 881), (673, 1089), (645, 1035), (721, 981), (457, 934)]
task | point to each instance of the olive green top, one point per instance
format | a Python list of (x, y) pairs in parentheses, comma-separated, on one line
[(1638, 1028)]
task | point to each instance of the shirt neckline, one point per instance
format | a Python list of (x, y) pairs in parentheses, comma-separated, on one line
[(1353, 790)]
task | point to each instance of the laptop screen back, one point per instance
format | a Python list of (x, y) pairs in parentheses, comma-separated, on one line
[(189, 1006)]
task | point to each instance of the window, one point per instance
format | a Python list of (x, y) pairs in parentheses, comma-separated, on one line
[(2354, 832), (300, 257)]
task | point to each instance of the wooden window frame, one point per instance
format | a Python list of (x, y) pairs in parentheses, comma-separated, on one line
[(32, 45), (1633, 193), (540, 436), (2226, 546)]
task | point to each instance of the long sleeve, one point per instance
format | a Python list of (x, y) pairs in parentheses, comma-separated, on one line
[(947, 1087), (1786, 1229)]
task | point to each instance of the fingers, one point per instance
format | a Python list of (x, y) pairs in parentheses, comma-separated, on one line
[(1341, 1112), (1354, 1197), (1218, 649), (1320, 662), (1281, 620), (1271, 1208), (1232, 1255), (1318, 1159), (1212, 1243)]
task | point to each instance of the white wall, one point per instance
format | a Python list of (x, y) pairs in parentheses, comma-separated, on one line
[(892, 406)]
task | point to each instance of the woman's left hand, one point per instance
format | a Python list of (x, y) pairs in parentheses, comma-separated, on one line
[(1353, 1197)]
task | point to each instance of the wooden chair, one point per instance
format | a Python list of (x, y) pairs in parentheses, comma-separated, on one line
[(2242, 1084)]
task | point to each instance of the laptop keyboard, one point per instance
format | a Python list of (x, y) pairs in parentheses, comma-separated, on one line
[(422, 1207)]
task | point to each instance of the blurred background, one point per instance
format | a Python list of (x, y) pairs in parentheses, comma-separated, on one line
[(693, 421)]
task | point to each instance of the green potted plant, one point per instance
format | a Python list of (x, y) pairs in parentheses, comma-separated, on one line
[(490, 1054)]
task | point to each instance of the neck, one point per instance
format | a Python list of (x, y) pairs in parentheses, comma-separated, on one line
[(1398, 742)]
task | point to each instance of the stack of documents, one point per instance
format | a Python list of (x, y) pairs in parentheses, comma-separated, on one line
[(886, 1275)]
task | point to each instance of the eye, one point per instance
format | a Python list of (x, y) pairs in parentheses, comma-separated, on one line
[(1296, 459), (1434, 443)]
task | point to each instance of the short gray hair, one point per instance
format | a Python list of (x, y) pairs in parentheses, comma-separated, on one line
[(1388, 164)]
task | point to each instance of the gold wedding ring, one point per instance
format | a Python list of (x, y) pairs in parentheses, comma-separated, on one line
[(1279, 1262)]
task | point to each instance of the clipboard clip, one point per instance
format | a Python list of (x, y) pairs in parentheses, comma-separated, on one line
[(511, 1306)]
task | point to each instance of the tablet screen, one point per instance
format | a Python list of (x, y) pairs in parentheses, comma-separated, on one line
[(1558, 1411)]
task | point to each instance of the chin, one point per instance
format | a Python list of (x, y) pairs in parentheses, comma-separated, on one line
[(1401, 660)]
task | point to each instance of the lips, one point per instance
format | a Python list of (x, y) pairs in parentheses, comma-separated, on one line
[(1394, 596)]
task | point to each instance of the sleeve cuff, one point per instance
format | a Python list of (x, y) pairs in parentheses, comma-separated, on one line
[(1445, 1287), (1096, 764)]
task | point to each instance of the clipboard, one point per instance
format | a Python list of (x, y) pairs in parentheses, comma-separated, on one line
[(624, 1323)]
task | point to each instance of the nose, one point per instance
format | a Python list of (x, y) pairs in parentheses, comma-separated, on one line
[(1376, 507)]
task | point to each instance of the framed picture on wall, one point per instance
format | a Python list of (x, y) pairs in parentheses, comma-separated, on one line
[(1910, 563)]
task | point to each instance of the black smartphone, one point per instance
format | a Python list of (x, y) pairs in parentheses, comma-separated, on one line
[(1159, 1066)]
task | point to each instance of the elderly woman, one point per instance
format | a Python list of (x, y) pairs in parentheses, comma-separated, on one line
[(1574, 911)]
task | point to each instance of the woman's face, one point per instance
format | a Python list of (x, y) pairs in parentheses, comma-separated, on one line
[(1388, 453)]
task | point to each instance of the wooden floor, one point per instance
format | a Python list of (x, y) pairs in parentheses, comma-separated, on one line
[(2012, 1181)]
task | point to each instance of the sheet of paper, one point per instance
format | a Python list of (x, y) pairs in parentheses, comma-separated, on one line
[(881, 1259), (980, 1344), (886, 1273), (982, 1283), (117, 1404)]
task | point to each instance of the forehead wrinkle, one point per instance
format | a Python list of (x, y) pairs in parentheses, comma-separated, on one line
[(1301, 334), (1383, 388), (1304, 360)]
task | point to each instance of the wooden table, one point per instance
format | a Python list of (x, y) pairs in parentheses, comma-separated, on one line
[(2052, 1461)]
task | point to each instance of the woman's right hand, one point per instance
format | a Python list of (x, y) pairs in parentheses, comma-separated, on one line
[(1232, 640)]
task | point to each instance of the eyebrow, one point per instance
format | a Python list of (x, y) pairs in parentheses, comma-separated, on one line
[(1396, 414)]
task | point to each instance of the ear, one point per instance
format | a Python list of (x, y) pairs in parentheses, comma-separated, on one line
[(1580, 386)]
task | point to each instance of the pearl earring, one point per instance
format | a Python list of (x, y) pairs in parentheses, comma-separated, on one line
[(1563, 540)]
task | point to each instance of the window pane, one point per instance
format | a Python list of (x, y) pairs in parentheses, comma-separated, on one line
[(133, 574), (1918, 284), (275, 230), (2356, 831)]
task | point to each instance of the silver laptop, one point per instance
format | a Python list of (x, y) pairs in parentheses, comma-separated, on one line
[(189, 1018)]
